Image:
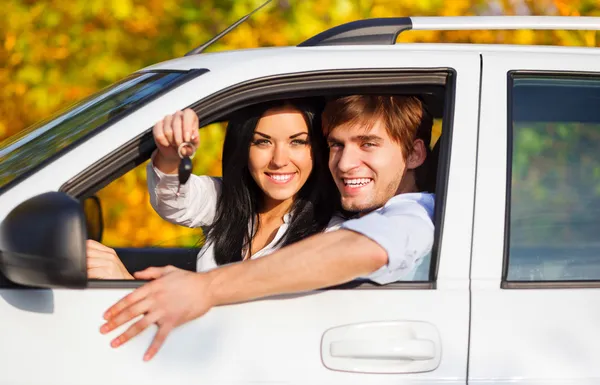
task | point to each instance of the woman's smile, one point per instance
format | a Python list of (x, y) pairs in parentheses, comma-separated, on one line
[(280, 178)]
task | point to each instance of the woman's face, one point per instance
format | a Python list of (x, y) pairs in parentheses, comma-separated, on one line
[(280, 159)]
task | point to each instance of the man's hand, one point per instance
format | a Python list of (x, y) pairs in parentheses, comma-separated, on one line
[(104, 263), (173, 298)]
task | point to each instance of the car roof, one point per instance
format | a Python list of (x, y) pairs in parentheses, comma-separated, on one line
[(217, 60)]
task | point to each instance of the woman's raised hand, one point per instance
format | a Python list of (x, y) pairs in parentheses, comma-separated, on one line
[(169, 133)]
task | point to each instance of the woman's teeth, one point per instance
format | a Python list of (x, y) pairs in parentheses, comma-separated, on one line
[(281, 177)]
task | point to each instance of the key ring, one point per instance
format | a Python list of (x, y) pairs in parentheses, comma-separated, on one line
[(184, 144)]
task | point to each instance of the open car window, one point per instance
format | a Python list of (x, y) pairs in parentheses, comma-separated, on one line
[(35, 145)]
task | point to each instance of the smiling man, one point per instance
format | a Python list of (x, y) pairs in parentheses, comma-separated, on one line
[(377, 143)]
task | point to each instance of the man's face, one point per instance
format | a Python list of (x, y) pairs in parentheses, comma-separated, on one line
[(367, 166)]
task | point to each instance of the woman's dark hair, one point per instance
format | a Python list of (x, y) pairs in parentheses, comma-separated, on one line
[(240, 198)]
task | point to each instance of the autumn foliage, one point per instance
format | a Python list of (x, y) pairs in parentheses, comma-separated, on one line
[(55, 52)]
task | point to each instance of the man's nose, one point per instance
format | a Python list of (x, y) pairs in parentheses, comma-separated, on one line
[(348, 160), (280, 156)]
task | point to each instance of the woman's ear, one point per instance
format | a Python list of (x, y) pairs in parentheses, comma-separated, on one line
[(417, 155)]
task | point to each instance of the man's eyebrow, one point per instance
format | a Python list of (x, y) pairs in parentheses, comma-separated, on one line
[(298, 134), (357, 138), (263, 135), (368, 138)]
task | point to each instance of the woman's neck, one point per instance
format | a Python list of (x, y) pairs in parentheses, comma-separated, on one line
[(274, 209)]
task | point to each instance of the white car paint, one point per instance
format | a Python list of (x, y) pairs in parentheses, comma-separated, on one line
[(522, 336), (270, 341)]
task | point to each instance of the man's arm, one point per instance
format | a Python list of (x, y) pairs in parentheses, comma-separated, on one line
[(322, 260)]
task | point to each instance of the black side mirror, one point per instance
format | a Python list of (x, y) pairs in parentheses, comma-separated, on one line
[(43, 242), (93, 215)]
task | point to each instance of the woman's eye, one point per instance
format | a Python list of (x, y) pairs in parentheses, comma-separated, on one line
[(299, 142), (260, 142)]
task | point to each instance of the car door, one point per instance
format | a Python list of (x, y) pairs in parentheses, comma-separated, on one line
[(406, 332), (536, 256)]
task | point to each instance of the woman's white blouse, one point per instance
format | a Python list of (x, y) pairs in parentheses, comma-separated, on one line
[(196, 206)]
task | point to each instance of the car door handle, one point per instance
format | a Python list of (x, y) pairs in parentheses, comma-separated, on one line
[(406, 350)]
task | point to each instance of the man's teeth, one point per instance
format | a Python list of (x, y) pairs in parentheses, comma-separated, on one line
[(357, 182)]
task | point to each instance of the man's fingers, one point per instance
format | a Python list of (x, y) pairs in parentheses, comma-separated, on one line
[(143, 307), (131, 298), (159, 339), (151, 273)]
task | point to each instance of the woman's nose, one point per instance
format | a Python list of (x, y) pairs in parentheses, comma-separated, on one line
[(280, 156)]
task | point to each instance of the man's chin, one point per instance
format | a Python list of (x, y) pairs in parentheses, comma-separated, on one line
[(356, 207)]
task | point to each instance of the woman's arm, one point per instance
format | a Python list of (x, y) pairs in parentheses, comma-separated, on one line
[(194, 206)]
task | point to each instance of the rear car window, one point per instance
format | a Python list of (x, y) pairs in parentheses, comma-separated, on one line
[(30, 148), (554, 192)]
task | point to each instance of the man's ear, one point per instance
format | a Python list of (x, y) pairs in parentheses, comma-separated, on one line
[(417, 155)]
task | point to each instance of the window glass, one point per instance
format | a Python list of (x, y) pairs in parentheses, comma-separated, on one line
[(31, 147), (554, 228)]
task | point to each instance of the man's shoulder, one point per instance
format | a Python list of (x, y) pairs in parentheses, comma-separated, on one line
[(411, 201)]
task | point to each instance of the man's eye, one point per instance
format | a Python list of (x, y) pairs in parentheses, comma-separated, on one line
[(369, 144), (335, 145)]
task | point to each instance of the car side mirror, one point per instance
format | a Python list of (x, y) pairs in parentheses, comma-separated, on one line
[(43, 242), (93, 218)]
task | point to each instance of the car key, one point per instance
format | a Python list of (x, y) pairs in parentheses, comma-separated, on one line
[(185, 166)]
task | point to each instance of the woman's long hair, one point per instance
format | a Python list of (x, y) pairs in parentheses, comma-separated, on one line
[(237, 207)]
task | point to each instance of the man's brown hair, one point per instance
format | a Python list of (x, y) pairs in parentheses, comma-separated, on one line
[(405, 117)]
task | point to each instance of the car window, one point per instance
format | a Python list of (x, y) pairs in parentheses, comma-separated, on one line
[(554, 189), (33, 146)]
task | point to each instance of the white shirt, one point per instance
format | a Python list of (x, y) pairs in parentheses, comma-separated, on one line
[(403, 226)]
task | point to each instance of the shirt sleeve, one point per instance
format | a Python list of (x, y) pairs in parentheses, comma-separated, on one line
[(405, 231), (197, 201)]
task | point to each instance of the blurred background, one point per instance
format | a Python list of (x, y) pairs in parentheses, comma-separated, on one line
[(55, 52)]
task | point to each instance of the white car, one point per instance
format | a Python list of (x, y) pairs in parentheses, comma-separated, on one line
[(511, 293)]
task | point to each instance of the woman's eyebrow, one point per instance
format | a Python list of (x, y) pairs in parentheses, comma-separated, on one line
[(263, 135), (298, 134)]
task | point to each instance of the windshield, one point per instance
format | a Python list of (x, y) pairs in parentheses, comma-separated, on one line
[(33, 146)]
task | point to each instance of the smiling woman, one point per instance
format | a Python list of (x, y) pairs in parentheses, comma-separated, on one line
[(275, 188)]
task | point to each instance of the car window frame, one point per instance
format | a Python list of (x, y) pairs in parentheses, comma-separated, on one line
[(314, 83), (505, 282)]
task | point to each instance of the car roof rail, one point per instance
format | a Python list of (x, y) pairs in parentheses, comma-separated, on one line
[(385, 31)]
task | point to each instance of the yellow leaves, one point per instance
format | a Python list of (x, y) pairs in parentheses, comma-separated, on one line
[(122, 9), (10, 41)]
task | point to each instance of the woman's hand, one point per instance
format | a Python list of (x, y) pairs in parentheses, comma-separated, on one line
[(104, 263), (169, 133), (173, 298)]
